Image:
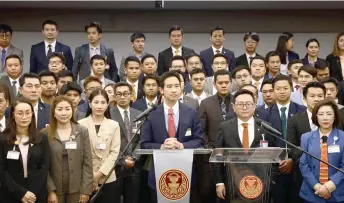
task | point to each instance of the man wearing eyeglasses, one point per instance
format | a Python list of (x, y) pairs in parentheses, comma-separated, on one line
[(90, 83), (6, 48), (251, 40), (239, 132), (127, 171)]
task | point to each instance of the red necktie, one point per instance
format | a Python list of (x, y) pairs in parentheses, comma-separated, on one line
[(245, 142), (323, 176), (171, 126)]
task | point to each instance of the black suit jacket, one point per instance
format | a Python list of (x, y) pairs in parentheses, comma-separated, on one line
[(207, 60), (242, 60), (12, 173), (335, 67), (140, 104), (6, 80), (166, 56)]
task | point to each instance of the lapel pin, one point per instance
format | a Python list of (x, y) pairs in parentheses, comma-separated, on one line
[(41, 108), (31, 144)]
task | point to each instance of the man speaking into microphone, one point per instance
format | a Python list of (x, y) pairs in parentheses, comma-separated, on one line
[(173, 125)]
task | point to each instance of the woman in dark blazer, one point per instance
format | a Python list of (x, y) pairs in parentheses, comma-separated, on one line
[(336, 58), (321, 183), (312, 56), (70, 177), (24, 158)]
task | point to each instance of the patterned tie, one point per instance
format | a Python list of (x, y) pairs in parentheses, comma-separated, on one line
[(171, 126), (284, 122), (14, 88), (297, 87), (245, 142), (217, 51), (323, 176), (50, 51), (250, 57), (133, 95), (3, 57), (176, 52), (223, 109), (127, 125)]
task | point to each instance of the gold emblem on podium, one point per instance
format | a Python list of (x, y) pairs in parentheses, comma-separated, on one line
[(251, 187), (173, 184)]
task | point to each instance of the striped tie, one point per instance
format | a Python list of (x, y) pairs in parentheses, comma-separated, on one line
[(323, 176)]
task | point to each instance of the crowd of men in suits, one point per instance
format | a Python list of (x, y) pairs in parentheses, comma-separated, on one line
[(284, 87)]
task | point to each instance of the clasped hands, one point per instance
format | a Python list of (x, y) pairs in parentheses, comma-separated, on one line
[(172, 143), (322, 191)]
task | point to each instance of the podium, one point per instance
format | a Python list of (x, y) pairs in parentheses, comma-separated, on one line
[(246, 172)]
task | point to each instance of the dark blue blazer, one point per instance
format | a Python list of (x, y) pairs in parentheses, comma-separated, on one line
[(306, 62), (39, 60), (207, 56), (154, 133), (272, 116), (140, 104), (310, 167)]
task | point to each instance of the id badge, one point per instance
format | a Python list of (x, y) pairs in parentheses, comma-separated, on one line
[(264, 143), (101, 145), (333, 149), (70, 145), (13, 155)]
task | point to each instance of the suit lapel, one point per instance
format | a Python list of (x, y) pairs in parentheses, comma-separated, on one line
[(58, 48), (87, 54), (217, 109), (235, 132), (292, 110), (9, 50), (161, 118), (118, 117), (169, 54), (103, 51), (257, 135), (183, 124), (304, 122), (275, 116)]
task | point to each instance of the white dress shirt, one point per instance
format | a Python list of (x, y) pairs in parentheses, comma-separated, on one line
[(121, 111), (94, 50), (286, 111), (199, 98), (17, 84), (3, 124), (248, 58), (214, 49), (35, 108), (175, 109), (313, 127), (179, 51), (153, 102), (260, 81), (53, 45), (250, 127), (135, 84)]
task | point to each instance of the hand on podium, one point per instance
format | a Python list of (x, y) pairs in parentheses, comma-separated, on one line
[(172, 143), (286, 166), (221, 191)]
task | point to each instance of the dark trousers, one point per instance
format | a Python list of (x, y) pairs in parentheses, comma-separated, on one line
[(145, 193), (107, 194), (194, 196), (127, 185), (283, 191), (205, 179)]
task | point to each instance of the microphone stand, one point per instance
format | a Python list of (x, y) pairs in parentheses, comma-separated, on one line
[(301, 149), (121, 156)]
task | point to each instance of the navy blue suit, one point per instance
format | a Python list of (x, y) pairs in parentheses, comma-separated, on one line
[(154, 132), (306, 62), (310, 167), (207, 58), (39, 60), (140, 104), (283, 191), (292, 56)]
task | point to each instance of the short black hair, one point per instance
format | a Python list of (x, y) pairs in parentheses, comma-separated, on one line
[(330, 80), (314, 85), (266, 82), (137, 35), (27, 75), (168, 74), (13, 56), (45, 73), (122, 84), (222, 72), (308, 69), (192, 55), (146, 57), (281, 77), (97, 57), (65, 73), (243, 91), (71, 86), (152, 77), (240, 68), (59, 55), (96, 25), (5, 28), (131, 59), (50, 22), (174, 28), (217, 28), (321, 64), (253, 35), (312, 40), (196, 71), (295, 61), (177, 58), (257, 57), (219, 55), (271, 54)]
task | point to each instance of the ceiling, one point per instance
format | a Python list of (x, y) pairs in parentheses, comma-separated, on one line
[(176, 5)]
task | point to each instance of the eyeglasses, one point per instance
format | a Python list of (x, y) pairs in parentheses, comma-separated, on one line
[(5, 36), (241, 105), (125, 94), (21, 114), (55, 63)]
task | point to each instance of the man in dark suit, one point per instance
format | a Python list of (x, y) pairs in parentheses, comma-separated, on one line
[(82, 63), (132, 69), (251, 40), (165, 130), (302, 123), (150, 89), (258, 70), (176, 37), (14, 69), (127, 171), (191, 102), (217, 37), (231, 134), (278, 115), (30, 88), (212, 112), (40, 52), (149, 65)]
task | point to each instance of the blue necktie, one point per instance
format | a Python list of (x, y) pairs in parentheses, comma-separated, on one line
[(284, 122), (3, 56)]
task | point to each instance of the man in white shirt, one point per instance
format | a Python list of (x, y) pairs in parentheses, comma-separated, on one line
[(258, 71), (251, 40), (197, 84), (149, 65), (14, 69), (150, 89), (293, 69), (133, 72), (331, 85)]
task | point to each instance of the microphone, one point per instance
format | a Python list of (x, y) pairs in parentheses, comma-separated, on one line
[(145, 113), (273, 132)]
